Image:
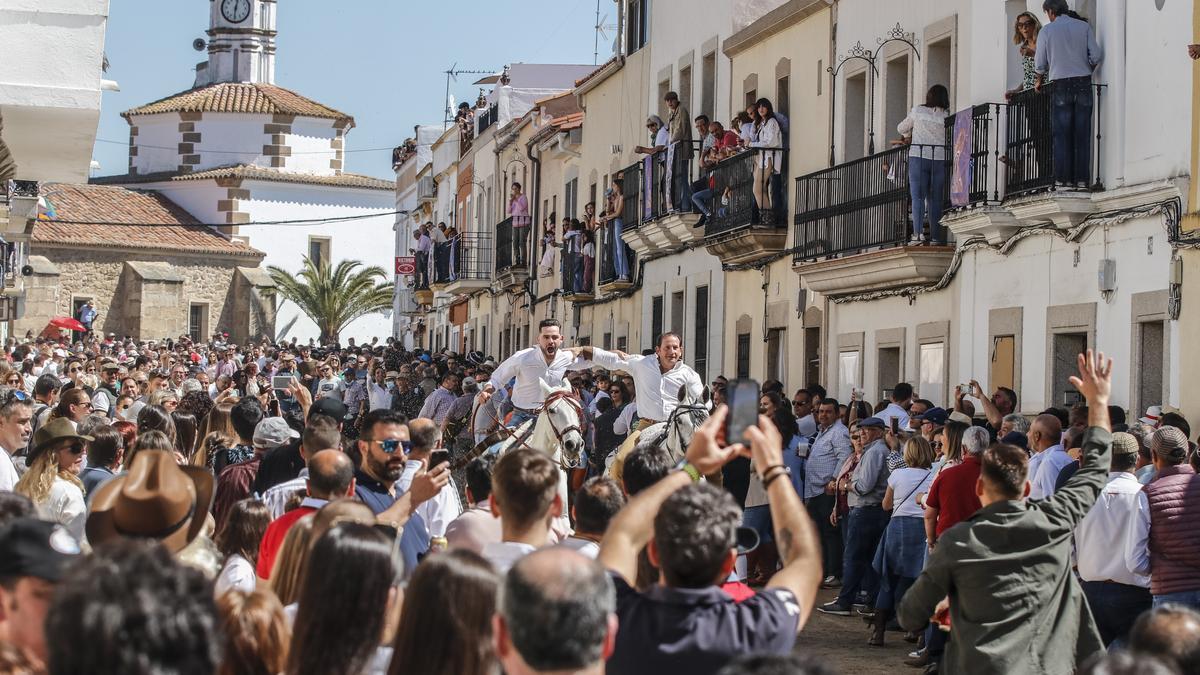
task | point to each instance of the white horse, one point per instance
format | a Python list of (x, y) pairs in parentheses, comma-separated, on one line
[(674, 434), (557, 431)]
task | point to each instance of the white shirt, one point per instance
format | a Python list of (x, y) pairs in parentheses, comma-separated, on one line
[(8, 472), (505, 554), (379, 396), (276, 497), (906, 484), (1053, 460), (657, 392), (621, 425), (1137, 544), (65, 506), (530, 368), (437, 512), (585, 547), (236, 575), (591, 407), (1106, 529), (807, 426), (896, 411)]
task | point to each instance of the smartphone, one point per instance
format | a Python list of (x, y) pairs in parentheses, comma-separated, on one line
[(281, 382), (895, 426), (742, 397)]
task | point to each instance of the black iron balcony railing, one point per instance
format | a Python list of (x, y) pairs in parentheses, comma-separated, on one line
[(666, 180), (577, 274), (464, 256), (614, 258), (487, 118), (732, 199), (631, 190), (1029, 152), (504, 244)]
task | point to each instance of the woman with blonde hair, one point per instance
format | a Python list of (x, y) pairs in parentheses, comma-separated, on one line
[(256, 633), (901, 551), (52, 481), (289, 561), (1025, 35)]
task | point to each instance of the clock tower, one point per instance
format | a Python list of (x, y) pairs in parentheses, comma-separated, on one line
[(241, 43)]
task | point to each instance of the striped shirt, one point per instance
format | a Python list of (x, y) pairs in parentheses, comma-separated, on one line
[(828, 451)]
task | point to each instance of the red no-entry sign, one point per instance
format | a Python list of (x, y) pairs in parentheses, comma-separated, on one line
[(406, 265)]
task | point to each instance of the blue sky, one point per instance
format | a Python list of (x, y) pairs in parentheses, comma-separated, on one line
[(381, 61)]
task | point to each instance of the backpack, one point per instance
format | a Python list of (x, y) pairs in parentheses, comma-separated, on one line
[(34, 424)]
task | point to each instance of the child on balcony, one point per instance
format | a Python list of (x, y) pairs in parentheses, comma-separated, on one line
[(547, 264)]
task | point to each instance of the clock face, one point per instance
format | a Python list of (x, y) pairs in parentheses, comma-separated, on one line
[(235, 11)]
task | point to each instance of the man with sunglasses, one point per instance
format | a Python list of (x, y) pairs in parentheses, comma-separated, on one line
[(383, 446)]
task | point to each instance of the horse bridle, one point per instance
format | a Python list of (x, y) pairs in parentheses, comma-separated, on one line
[(520, 438), (691, 409), (569, 397)]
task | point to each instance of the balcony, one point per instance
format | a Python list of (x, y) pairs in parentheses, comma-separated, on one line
[(462, 264), (853, 223), (1023, 176), (426, 190), (738, 231), (615, 260), (512, 270), (665, 218)]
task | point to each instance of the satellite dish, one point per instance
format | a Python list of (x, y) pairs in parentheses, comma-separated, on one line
[(199, 44), (27, 270)]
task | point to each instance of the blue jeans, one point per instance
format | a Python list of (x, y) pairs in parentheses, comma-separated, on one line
[(577, 273), (1187, 598), (926, 179), (700, 200), (519, 417), (1115, 607), (620, 261), (864, 527), (1071, 127)]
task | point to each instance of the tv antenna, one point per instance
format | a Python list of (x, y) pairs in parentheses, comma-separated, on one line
[(452, 73), (602, 30)]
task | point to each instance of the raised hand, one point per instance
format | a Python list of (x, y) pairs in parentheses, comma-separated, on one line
[(428, 483), (1095, 378)]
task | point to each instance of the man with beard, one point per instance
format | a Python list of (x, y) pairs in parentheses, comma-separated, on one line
[(657, 378), (383, 446), (545, 362)]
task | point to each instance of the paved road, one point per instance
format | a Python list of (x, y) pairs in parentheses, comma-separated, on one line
[(842, 642)]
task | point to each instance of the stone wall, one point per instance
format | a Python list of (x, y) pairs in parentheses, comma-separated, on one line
[(130, 304)]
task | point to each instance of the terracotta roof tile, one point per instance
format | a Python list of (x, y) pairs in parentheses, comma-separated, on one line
[(239, 97), (146, 220), (251, 172)]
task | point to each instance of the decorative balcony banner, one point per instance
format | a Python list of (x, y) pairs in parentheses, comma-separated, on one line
[(647, 187), (964, 142)]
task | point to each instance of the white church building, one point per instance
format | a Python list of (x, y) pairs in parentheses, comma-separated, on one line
[(239, 152)]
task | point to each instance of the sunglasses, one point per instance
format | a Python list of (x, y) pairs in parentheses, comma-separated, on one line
[(796, 403), (614, 391), (74, 370), (1025, 24), (389, 446), (13, 380), (75, 448)]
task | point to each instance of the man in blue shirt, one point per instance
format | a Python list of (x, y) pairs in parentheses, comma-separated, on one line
[(382, 446), (1068, 53)]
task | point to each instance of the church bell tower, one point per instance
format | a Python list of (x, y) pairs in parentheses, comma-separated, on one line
[(241, 42)]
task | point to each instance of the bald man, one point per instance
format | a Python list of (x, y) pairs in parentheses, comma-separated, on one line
[(544, 585), (1049, 458), (425, 436), (330, 476), (1170, 632)]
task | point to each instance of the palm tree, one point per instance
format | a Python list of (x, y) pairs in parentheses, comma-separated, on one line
[(333, 297)]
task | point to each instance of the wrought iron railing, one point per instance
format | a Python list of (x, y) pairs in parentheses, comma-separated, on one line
[(487, 118), (666, 182), (732, 203), (852, 206), (1029, 143), (577, 275), (467, 256), (609, 246), (504, 245), (631, 190)]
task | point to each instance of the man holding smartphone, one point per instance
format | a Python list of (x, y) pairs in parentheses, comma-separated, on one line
[(657, 379)]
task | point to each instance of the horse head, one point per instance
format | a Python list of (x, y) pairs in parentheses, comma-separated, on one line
[(564, 413)]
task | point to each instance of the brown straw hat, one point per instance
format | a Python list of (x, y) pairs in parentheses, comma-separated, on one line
[(154, 499), (50, 433)]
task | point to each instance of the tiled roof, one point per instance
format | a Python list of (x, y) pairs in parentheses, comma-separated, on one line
[(251, 172), (599, 69), (239, 97), (114, 217)]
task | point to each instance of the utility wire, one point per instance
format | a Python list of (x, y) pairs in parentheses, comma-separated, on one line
[(243, 152), (300, 222)]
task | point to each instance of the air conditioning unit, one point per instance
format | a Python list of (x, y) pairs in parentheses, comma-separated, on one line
[(575, 136)]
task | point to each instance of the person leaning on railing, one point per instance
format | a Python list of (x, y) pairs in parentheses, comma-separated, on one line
[(1068, 53), (615, 206), (925, 131)]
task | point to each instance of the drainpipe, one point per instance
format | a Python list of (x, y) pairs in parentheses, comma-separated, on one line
[(535, 218)]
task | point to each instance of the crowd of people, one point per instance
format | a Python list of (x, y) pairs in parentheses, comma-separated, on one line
[(271, 507)]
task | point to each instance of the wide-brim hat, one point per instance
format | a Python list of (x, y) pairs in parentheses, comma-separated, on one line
[(155, 499), (50, 433)]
